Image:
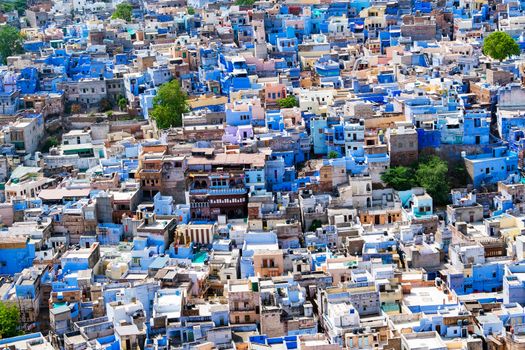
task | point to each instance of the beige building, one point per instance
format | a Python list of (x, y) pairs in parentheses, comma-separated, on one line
[(25, 134), (402, 144), (243, 301), (198, 233), (268, 263)]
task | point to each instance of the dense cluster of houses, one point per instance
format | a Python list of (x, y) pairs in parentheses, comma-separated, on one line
[(264, 221)]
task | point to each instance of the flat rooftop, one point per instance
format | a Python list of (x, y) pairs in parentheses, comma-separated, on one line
[(425, 296), (424, 340), (239, 287), (58, 194)]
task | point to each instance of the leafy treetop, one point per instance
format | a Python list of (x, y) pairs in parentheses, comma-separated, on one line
[(244, 2), (500, 45), (169, 105), (10, 5), (10, 42), (123, 11), (288, 102), (430, 173), (9, 320), (333, 154)]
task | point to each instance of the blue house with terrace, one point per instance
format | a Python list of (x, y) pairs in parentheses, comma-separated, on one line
[(328, 72), (16, 254), (489, 168), (27, 81), (239, 113), (482, 274)]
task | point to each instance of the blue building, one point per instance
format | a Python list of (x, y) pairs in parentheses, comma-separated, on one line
[(109, 233), (516, 142), (80, 259), (27, 81), (318, 135), (428, 138), (329, 72), (485, 278), (254, 179), (476, 126), (514, 283), (16, 254), (274, 172), (482, 276), (239, 113), (489, 168), (9, 93), (163, 204), (255, 241)]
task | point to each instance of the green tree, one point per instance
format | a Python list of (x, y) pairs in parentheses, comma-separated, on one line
[(315, 225), (10, 42), (51, 141), (123, 11), (191, 10), (169, 104), (400, 178), (457, 174), (333, 154), (9, 320), (244, 2), (432, 175), (122, 103), (10, 5), (288, 102), (500, 45)]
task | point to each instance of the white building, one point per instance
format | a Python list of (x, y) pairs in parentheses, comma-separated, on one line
[(25, 134)]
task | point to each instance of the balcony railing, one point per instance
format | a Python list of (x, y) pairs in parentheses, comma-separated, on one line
[(151, 171), (219, 191)]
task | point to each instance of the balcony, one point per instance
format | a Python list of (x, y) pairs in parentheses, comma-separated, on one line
[(270, 271), (243, 310), (227, 191), (150, 171), (201, 191)]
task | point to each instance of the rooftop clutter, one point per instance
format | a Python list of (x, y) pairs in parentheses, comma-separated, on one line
[(262, 175)]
